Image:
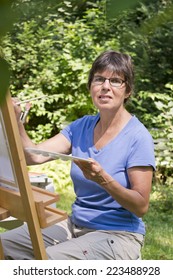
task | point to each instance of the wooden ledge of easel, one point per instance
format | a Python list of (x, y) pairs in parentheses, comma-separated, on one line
[(4, 213), (11, 201), (48, 215)]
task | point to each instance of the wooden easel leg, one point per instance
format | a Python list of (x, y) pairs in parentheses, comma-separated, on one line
[(1, 251)]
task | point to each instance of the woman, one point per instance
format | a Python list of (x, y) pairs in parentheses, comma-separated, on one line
[(112, 188)]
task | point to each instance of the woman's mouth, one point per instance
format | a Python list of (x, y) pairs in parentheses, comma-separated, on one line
[(104, 97)]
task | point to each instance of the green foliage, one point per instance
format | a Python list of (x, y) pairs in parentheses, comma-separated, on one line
[(58, 170), (156, 111), (54, 58), (113, 8), (6, 20), (149, 41), (162, 199)]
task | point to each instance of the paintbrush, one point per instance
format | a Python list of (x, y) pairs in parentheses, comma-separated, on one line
[(25, 113), (28, 100)]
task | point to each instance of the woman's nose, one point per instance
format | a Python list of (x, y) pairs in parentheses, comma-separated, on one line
[(106, 84)]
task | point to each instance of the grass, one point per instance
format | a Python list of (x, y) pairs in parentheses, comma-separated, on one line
[(66, 200), (159, 236)]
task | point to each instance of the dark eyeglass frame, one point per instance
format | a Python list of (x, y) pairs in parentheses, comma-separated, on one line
[(114, 82)]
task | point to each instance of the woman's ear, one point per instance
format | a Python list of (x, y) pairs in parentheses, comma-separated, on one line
[(127, 96)]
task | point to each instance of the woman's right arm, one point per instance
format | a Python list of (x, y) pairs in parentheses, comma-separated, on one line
[(57, 144)]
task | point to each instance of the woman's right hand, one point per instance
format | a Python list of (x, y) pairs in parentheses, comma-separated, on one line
[(17, 108)]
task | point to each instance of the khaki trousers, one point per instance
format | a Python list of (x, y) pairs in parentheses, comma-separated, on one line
[(66, 241)]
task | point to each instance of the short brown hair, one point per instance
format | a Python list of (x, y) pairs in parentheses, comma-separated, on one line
[(116, 62)]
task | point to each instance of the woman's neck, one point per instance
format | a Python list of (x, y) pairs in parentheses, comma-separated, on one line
[(109, 126), (109, 119)]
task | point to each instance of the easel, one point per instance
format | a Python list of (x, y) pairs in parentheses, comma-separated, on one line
[(17, 197)]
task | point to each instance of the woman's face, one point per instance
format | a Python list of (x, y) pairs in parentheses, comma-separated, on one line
[(108, 94)]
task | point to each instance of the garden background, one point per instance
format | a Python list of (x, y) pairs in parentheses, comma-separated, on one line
[(47, 48)]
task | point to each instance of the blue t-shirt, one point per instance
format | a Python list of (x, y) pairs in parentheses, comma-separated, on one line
[(94, 207)]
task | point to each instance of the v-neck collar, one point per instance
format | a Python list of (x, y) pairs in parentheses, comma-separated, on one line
[(113, 139)]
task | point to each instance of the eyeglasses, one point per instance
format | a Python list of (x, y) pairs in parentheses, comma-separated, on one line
[(114, 82)]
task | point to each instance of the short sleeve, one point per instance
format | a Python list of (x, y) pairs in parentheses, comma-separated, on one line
[(141, 150), (67, 132), (71, 131)]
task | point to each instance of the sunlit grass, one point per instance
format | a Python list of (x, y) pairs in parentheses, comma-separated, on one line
[(66, 200), (159, 235)]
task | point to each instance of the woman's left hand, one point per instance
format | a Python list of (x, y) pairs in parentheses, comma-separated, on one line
[(92, 170)]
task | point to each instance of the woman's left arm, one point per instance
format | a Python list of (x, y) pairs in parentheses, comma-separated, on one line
[(136, 199)]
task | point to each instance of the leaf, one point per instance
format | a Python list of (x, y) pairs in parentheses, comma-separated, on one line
[(6, 17), (4, 79), (114, 8)]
